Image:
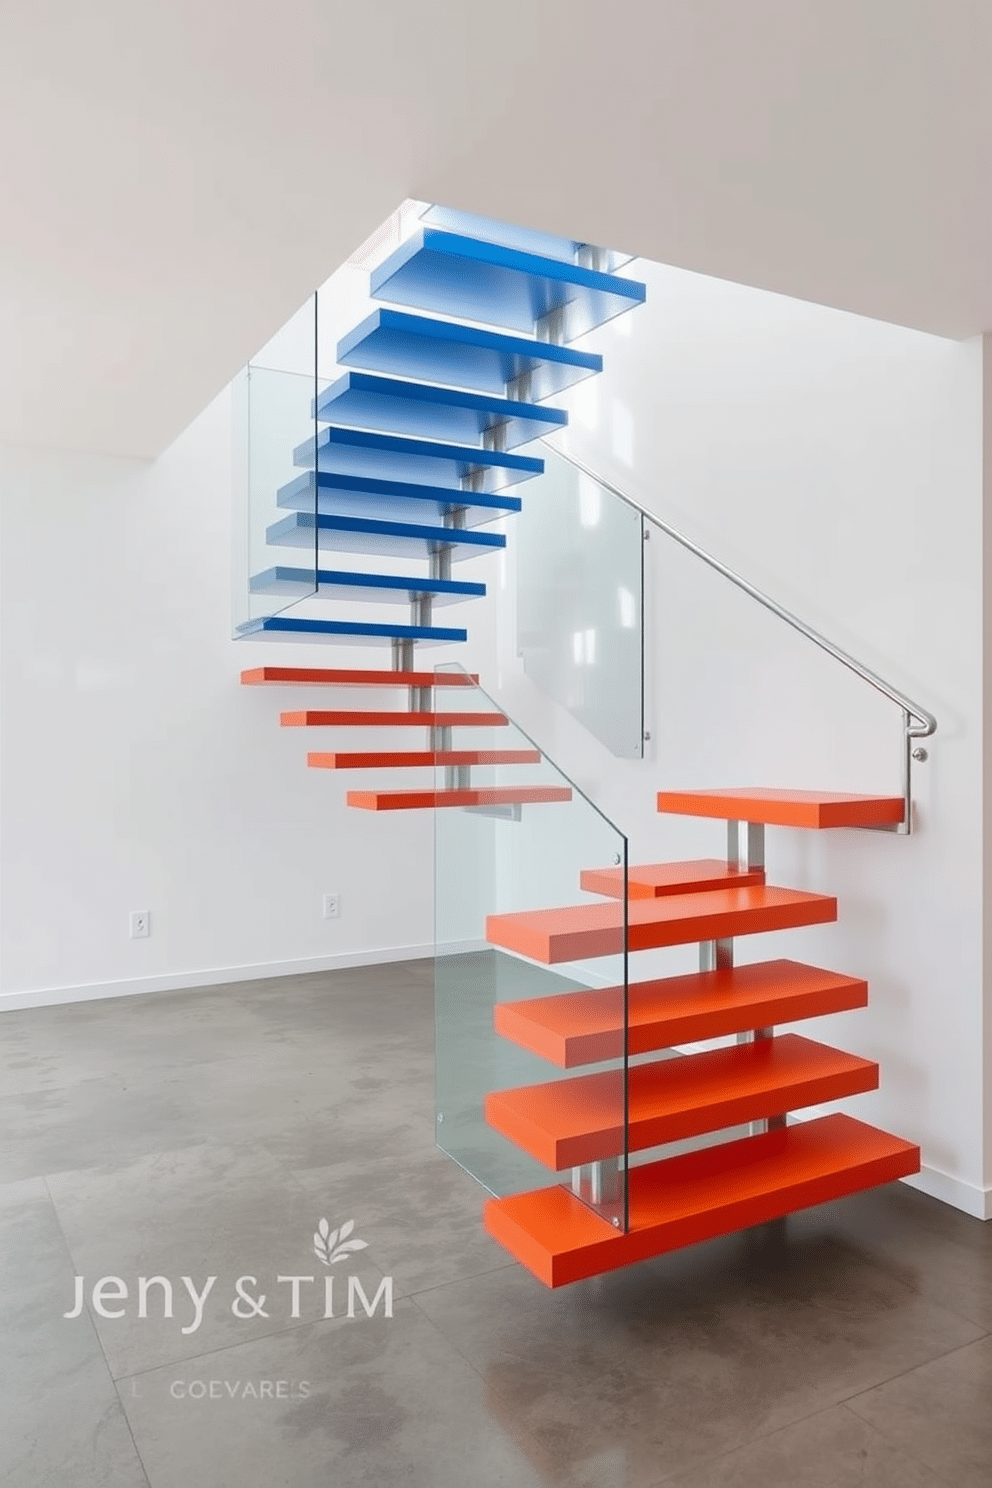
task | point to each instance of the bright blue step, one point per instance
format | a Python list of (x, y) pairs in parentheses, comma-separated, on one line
[(391, 457), (345, 632), (526, 239), (379, 588), (363, 535), (394, 405), (357, 496), (466, 356), (472, 280)]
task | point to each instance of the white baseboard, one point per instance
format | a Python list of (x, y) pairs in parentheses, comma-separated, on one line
[(215, 976), (954, 1191)]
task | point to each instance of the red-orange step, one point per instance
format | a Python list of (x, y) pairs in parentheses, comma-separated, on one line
[(786, 808), (393, 719), (565, 1123), (576, 1028), (346, 677), (416, 758), (586, 930), (483, 795), (698, 1195), (652, 880)]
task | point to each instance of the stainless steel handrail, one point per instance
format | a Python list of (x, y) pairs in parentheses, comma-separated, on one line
[(926, 723)]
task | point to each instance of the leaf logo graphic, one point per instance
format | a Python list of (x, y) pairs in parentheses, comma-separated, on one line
[(335, 1245)]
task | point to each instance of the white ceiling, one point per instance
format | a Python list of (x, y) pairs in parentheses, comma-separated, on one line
[(176, 177)]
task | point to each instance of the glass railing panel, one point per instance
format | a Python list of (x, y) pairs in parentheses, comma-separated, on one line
[(523, 1100), (275, 497), (580, 602)]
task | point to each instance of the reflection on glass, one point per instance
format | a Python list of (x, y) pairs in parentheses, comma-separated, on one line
[(580, 600)]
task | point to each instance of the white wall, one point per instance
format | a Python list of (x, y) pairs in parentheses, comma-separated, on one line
[(837, 463), (138, 774)]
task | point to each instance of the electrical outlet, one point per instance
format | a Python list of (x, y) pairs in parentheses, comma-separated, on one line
[(332, 906), (141, 924)]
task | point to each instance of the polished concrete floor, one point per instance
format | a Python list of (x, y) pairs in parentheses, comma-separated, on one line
[(207, 1134)]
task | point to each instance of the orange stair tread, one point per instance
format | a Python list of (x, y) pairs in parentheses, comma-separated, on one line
[(577, 1028), (786, 808), (652, 880), (564, 1123), (323, 718), (482, 795), (586, 930), (420, 758), (699, 1195), (347, 677)]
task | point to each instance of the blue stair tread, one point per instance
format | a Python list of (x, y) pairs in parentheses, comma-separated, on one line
[(473, 280), (377, 588), (527, 239), (467, 356), (358, 495), (365, 535), (345, 632), (398, 406), (393, 457)]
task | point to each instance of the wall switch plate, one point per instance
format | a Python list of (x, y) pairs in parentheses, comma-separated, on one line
[(332, 906), (141, 924)]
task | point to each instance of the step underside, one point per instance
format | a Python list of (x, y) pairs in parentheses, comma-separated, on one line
[(423, 411), (328, 492), (786, 808), (653, 880), (394, 718), (578, 1028), (585, 930), (565, 1123), (367, 452), (351, 677), (472, 280), (415, 759), (463, 356), (699, 1195), (483, 795)]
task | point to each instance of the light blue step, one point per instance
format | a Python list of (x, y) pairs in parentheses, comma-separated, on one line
[(472, 280), (392, 457), (364, 535), (377, 588), (360, 496), (525, 239), (344, 632), (367, 401), (465, 356)]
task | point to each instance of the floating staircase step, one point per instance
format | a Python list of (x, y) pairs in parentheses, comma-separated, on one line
[(415, 759), (363, 496), (786, 808), (699, 1195), (423, 411), (577, 1028), (586, 930), (474, 280), (581, 1120), (527, 239), (342, 632), (350, 677), (484, 795), (394, 457), (393, 718), (367, 535), (466, 356), (653, 880), (373, 588)]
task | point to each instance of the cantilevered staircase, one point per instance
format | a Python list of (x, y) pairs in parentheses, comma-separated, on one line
[(415, 450), (413, 455)]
